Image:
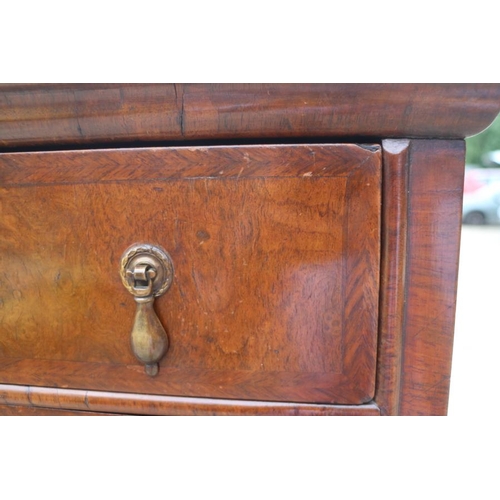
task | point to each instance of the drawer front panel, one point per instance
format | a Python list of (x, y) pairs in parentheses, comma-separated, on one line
[(276, 257)]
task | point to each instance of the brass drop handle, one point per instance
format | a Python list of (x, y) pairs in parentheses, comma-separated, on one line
[(147, 272)]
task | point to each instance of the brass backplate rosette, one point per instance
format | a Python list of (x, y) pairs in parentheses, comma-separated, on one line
[(152, 255)]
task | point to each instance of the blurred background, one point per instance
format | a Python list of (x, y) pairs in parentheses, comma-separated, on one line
[(475, 365)]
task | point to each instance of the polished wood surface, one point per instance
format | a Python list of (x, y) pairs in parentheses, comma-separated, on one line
[(43, 114), (19, 400), (276, 257), (277, 306), (422, 224), (396, 157), (32, 411), (436, 173)]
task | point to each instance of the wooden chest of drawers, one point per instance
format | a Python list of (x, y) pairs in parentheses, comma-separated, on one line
[(314, 247)]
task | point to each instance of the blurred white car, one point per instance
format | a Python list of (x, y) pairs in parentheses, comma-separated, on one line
[(482, 206), (476, 177)]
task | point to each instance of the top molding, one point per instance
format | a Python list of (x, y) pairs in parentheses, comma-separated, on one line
[(65, 114)]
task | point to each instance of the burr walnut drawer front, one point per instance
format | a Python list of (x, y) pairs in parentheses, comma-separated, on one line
[(275, 270)]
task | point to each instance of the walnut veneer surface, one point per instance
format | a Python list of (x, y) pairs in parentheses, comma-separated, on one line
[(314, 231)]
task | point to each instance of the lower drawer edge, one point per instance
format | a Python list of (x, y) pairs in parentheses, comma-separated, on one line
[(141, 404)]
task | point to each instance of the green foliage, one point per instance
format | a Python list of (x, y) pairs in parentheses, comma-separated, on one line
[(486, 141)]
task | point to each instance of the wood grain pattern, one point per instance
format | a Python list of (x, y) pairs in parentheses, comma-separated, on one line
[(41, 114), (425, 180), (80, 114), (396, 158), (276, 256), (434, 224), (152, 164), (32, 411), (24, 400), (276, 248)]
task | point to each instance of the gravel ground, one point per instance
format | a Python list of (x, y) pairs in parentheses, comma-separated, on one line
[(476, 365)]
